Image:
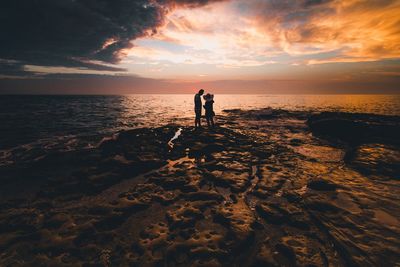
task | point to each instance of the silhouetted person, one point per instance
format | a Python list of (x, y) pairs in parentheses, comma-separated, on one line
[(208, 106), (197, 108)]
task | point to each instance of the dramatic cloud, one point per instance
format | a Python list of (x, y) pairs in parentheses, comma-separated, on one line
[(351, 30), (202, 40), (215, 35), (242, 33), (78, 33)]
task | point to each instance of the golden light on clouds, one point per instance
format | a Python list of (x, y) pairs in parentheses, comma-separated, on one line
[(242, 44), (259, 32), (360, 32)]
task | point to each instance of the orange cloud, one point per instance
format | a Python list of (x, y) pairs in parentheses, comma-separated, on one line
[(245, 31), (362, 30), (271, 37)]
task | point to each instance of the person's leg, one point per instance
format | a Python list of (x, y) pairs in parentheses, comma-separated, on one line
[(212, 121), (199, 118), (208, 121), (197, 122)]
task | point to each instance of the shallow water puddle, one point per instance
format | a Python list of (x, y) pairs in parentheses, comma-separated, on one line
[(177, 134)]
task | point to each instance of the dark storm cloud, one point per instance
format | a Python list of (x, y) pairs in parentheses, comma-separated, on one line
[(12, 69), (77, 33)]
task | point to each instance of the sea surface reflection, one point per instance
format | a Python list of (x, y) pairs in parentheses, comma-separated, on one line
[(54, 121)]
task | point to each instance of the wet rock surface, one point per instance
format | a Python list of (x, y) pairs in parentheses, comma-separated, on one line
[(264, 188)]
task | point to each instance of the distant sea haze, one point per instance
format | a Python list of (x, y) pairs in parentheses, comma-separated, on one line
[(54, 121)]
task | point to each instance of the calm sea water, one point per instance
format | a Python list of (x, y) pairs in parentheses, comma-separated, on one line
[(61, 122)]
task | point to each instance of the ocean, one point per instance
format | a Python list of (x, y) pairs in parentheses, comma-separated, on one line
[(46, 123)]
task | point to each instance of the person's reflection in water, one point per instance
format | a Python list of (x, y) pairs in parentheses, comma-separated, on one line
[(197, 108), (208, 106)]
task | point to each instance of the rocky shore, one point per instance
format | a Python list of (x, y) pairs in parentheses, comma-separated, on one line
[(264, 188)]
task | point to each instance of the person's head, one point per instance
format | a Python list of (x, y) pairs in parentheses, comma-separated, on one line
[(208, 97), (201, 91)]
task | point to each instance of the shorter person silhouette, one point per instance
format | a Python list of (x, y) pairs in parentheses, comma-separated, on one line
[(208, 106)]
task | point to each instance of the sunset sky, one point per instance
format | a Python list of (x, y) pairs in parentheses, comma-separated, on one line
[(176, 46)]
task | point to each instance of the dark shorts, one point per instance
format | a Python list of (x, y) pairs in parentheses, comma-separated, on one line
[(198, 113)]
